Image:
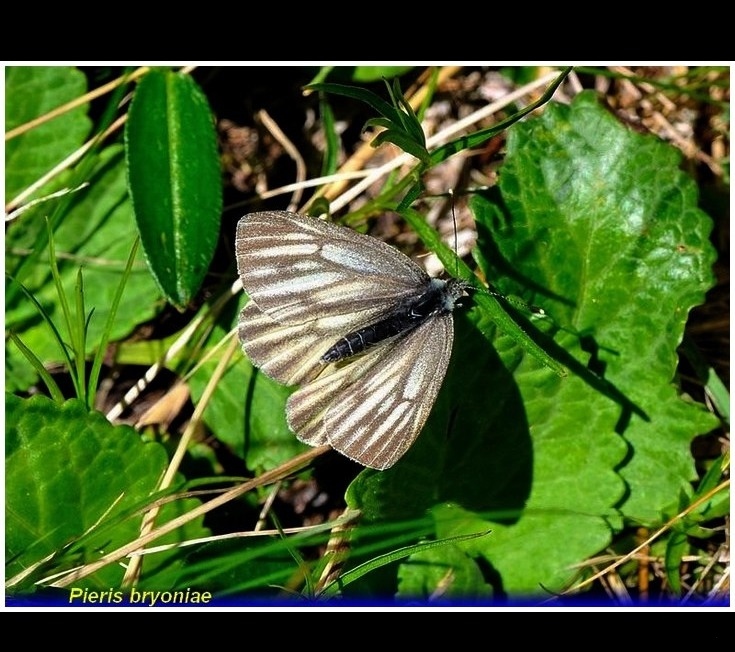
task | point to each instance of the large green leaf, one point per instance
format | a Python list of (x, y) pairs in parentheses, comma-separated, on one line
[(175, 182), (31, 92), (96, 233), (599, 226), (604, 219), (69, 472)]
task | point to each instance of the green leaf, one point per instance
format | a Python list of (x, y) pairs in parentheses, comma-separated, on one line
[(398, 118), (94, 373), (676, 547), (378, 104), (98, 233), (68, 471), (406, 143), (715, 389), (46, 377), (375, 563), (607, 225), (598, 226), (331, 136), (435, 576), (408, 119), (31, 92), (174, 180), (367, 74), (20, 371), (382, 123), (678, 542)]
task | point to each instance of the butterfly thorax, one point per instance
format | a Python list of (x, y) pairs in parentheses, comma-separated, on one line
[(438, 297)]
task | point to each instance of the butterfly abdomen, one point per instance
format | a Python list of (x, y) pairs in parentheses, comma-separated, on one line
[(406, 316)]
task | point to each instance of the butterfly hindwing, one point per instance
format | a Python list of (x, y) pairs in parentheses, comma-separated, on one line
[(291, 353), (376, 419)]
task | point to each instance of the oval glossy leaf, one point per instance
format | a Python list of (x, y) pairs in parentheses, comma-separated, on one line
[(174, 180)]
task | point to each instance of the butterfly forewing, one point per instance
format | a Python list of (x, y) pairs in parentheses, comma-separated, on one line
[(313, 284), (299, 268)]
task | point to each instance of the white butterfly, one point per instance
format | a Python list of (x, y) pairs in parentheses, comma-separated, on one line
[(363, 330)]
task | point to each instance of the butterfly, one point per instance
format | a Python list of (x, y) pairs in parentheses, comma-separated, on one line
[(362, 330)]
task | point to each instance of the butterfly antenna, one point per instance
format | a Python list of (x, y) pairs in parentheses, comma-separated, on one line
[(535, 311), (456, 239)]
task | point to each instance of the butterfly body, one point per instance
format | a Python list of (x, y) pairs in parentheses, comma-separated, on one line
[(386, 326), (438, 296)]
